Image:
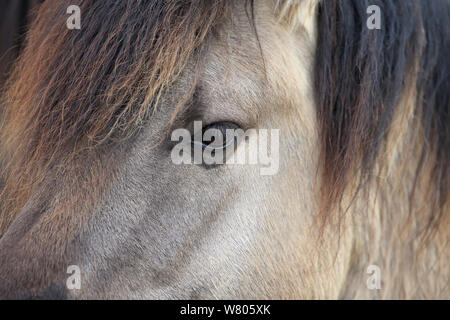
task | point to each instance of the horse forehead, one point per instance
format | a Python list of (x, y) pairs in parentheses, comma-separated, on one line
[(250, 65)]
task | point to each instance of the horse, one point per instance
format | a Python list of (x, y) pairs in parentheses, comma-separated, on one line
[(93, 207)]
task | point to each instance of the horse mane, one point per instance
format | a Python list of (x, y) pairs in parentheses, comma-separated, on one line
[(14, 19), (361, 76), (80, 89), (74, 89)]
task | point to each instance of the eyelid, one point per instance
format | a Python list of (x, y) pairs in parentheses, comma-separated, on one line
[(224, 126)]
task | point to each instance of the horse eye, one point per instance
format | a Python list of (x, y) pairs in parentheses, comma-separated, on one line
[(214, 136)]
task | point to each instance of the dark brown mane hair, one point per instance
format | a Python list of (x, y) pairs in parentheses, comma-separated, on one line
[(360, 77), (74, 89), (15, 17)]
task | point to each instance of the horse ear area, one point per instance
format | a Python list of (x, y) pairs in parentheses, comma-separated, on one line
[(298, 14)]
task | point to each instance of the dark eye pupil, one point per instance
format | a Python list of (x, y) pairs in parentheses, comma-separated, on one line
[(221, 127)]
